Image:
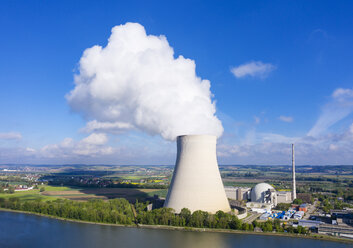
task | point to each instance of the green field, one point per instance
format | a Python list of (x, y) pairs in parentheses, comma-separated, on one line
[(83, 194), (29, 195), (35, 194), (161, 193)]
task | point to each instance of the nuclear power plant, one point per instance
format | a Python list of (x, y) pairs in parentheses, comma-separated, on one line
[(196, 182), (263, 195)]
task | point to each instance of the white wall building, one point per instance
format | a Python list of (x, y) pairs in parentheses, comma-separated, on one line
[(284, 196), (237, 193)]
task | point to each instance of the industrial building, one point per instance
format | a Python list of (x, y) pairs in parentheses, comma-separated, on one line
[(231, 193), (303, 207), (264, 193), (237, 193), (196, 182), (243, 193), (284, 197), (298, 215)]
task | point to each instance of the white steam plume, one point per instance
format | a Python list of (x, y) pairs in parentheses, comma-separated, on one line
[(136, 81)]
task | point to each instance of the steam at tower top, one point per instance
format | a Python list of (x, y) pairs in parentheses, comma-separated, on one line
[(136, 83)]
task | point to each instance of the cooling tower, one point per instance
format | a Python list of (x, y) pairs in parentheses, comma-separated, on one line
[(197, 183)]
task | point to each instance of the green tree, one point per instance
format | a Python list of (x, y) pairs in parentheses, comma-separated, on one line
[(245, 227), (185, 214), (11, 190), (197, 219), (298, 201), (267, 226)]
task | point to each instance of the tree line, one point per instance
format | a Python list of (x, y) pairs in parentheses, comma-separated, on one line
[(120, 211), (117, 211)]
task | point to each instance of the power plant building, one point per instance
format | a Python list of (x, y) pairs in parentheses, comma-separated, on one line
[(196, 182), (264, 193), (271, 197), (243, 194), (237, 193), (284, 196)]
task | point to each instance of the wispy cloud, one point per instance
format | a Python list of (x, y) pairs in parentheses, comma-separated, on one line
[(10, 136), (271, 148), (253, 69), (339, 107), (94, 149), (109, 127), (285, 118), (321, 145)]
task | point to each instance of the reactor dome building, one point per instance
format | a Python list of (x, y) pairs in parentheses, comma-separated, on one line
[(264, 193), (196, 182)]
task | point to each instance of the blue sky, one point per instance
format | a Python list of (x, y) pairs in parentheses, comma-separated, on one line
[(280, 72)]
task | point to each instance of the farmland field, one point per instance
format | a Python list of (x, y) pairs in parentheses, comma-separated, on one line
[(84, 194), (102, 193)]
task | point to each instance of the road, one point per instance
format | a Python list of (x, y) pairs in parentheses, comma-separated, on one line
[(253, 216), (311, 210)]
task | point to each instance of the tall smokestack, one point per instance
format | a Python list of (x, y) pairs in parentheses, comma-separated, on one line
[(197, 183), (294, 193)]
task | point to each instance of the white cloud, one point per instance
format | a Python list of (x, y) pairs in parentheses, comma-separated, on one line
[(29, 149), (285, 118), (253, 69), (131, 149), (276, 138), (227, 151), (253, 148), (333, 147), (10, 136), (67, 142), (136, 83), (111, 127), (92, 151), (341, 94), (90, 146), (339, 107), (271, 148), (96, 139)]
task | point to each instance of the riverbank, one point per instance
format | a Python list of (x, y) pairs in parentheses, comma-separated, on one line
[(193, 229)]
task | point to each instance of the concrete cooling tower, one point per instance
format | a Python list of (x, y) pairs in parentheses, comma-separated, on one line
[(197, 183)]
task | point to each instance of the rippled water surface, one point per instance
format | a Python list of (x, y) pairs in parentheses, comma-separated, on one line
[(23, 230)]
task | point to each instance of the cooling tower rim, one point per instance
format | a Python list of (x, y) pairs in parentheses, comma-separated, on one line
[(196, 136)]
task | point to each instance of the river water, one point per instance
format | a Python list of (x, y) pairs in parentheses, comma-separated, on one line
[(24, 230)]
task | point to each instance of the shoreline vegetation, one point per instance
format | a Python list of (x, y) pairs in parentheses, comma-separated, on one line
[(135, 216), (192, 229)]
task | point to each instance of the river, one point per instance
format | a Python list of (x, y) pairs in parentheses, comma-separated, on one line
[(23, 230)]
